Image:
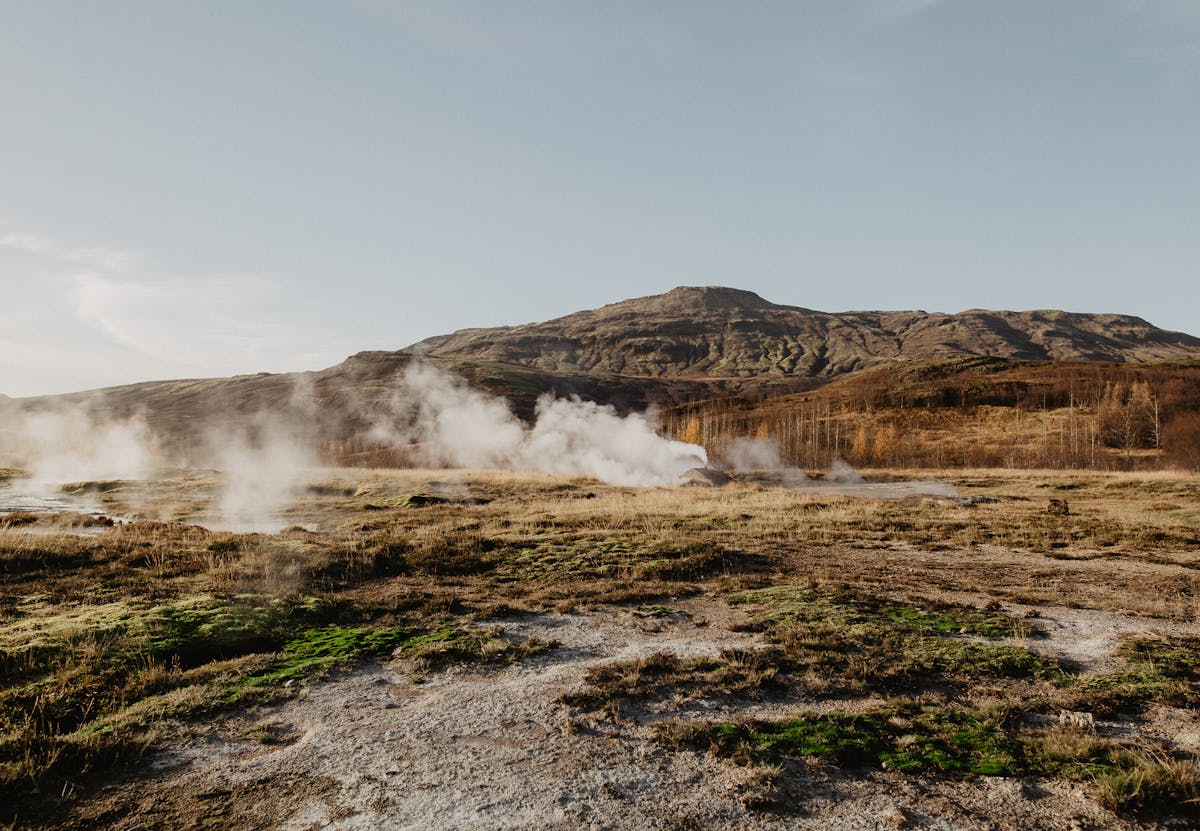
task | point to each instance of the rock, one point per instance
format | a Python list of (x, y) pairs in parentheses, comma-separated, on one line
[(972, 501), (894, 816), (1083, 721), (421, 500), (1059, 507), (705, 477), (332, 489), (98, 486)]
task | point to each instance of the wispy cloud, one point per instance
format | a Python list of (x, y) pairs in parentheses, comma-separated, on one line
[(118, 320), (187, 322), (102, 258)]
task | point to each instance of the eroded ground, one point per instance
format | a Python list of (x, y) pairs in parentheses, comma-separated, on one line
[(424, 649)]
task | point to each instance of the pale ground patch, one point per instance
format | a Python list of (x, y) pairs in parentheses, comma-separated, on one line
[(479, 749), (1089, 639)]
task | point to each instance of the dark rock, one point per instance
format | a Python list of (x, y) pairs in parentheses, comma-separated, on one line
[(705, 477), (1058, 507)]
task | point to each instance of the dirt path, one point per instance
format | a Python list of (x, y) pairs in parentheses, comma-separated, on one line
[(477, 749)]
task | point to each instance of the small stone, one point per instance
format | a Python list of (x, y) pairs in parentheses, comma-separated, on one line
[(894, 816), (612, 790), (1082, 721)]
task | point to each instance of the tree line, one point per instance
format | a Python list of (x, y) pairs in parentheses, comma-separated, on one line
[(988, 413)]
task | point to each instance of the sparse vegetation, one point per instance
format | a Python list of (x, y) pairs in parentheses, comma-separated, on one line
[(1155, 671), (906, 736), (943, 740), (907, 622), (835, 644)]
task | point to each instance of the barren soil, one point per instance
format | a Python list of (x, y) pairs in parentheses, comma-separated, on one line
[(477, 749)]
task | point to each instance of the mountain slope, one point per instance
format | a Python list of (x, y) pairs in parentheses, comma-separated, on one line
[(715, 332), (687, 345)]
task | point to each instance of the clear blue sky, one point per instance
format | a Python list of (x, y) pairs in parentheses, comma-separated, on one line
[(208, 188)]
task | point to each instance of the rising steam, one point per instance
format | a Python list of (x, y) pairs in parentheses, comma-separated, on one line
[(454, 425), (757, 458), (747, 456), (434, 418), (71, 442), (264, 466)]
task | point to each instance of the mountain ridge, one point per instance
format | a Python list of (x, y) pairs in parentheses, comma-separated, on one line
[(721, 332), (690, 344)]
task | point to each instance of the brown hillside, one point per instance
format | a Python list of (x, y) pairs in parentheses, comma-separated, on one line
[(337, 407), (972, 412), (715, 332), (689, 344)]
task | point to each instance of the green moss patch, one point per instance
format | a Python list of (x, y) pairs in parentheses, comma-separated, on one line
[(848, 609), (320, 649), (907, 737)]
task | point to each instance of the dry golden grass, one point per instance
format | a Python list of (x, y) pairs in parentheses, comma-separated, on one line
[(113, 640)]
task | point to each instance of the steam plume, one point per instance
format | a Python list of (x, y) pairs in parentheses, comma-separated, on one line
[(435, 418), (751, 455), (457, 426), (70, 443), (757, 457), (263, 466)]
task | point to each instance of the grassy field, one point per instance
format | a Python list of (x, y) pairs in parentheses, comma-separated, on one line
[(905, 631)]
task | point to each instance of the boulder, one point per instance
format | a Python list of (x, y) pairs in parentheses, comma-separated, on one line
[(704, 477)]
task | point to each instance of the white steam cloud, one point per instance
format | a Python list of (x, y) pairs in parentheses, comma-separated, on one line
[(262, 459), (265, 460), (749, 455), (435, 419), (263, 469), (454, 425), (843, 474), (69, 443)]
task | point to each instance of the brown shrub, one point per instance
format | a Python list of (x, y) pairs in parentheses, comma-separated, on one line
[(1181, 440)]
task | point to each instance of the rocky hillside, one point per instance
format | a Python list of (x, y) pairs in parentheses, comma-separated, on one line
[(715, 332), (344, 401), (690, 344)]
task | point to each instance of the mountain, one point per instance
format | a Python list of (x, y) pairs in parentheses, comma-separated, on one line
[(723, 333), (345, 400), (689, 344)]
